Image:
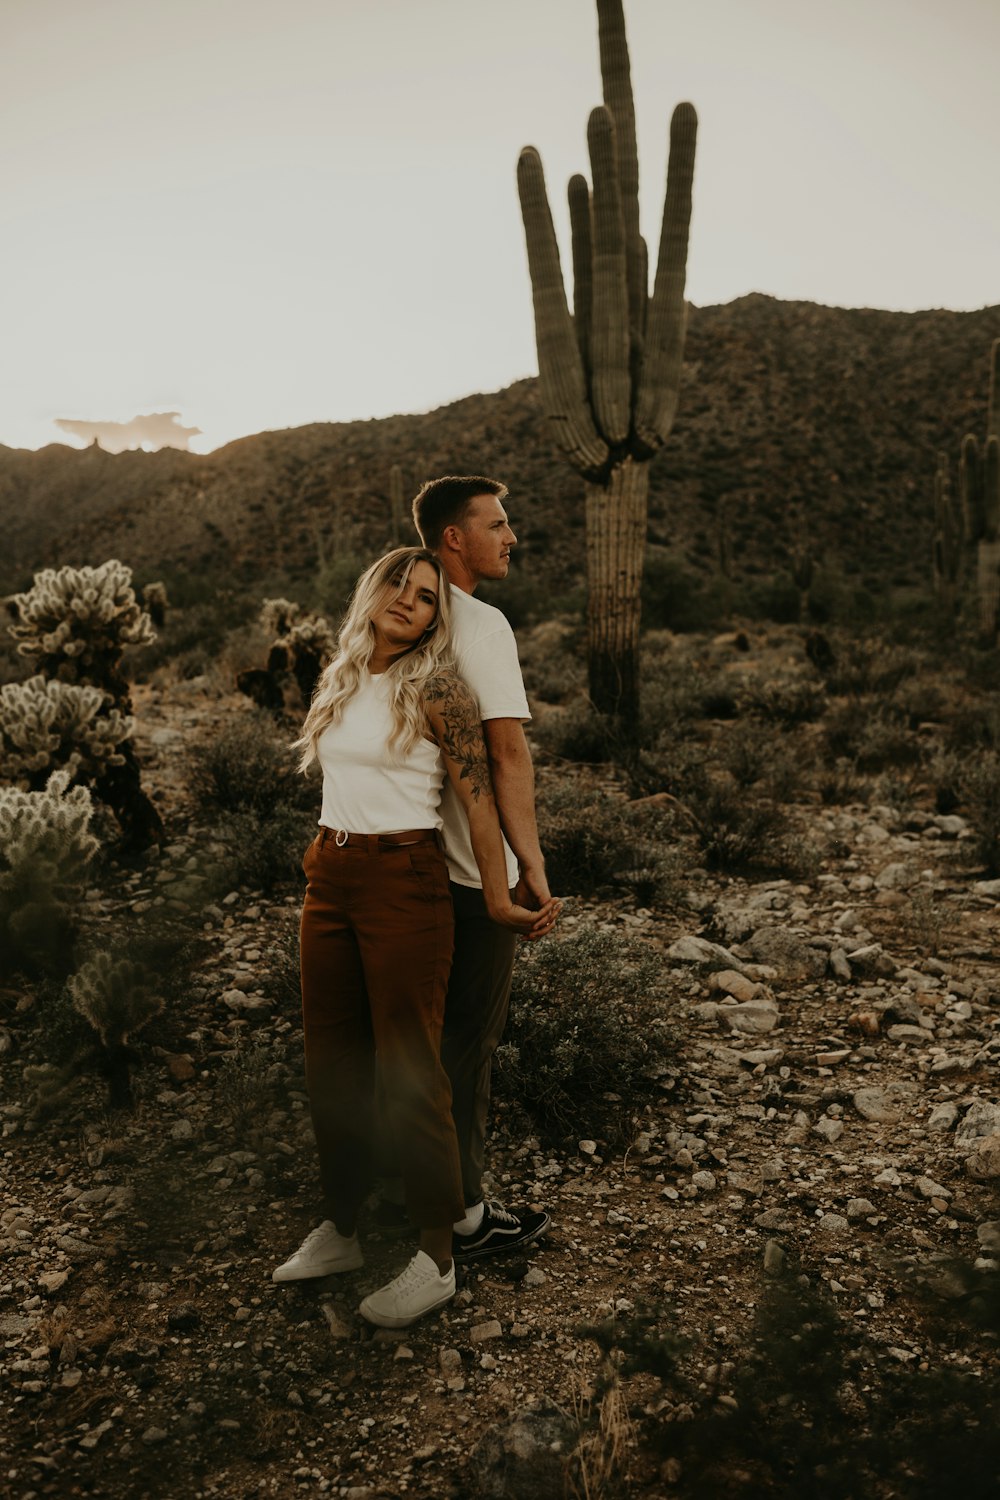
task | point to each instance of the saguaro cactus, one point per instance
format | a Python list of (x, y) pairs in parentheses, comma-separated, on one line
[(947, 538), (979, 476), (610, 373)]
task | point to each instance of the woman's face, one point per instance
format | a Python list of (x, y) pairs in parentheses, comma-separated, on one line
[(409, 613)]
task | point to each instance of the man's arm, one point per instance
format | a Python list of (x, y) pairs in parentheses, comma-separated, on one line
[(514, 787)]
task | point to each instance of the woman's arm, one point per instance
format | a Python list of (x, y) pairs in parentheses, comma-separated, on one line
[(453, 715)]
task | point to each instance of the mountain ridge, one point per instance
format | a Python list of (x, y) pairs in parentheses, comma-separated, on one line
[(796, 422)]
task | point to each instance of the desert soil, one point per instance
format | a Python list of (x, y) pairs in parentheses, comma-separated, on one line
[(834, 1087)]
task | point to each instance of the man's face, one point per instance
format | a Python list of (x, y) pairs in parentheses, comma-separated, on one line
[(486, 538)]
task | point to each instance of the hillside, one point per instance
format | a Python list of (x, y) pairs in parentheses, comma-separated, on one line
[(792, 415)]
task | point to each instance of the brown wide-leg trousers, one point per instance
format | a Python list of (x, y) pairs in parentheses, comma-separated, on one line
[(376, 944)]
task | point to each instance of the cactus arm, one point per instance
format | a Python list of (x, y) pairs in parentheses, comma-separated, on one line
[(993, 411), (561, 373), (617, 80), (579, 217), (611, 385), (667, 321), (991, 490), (971, 488)]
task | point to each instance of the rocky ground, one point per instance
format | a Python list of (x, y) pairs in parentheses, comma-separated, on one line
[(836, 1105)]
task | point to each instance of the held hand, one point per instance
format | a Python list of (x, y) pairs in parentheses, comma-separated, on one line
[(528, 924), (532, 889)]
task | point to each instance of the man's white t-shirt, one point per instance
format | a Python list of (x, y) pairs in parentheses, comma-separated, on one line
[(486, 658)]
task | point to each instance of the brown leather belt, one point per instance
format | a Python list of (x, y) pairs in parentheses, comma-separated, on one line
[(374, 843)]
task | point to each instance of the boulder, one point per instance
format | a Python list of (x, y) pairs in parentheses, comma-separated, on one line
[(524, 1457)]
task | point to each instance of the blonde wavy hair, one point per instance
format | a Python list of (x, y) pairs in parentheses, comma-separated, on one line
[(407, 676)]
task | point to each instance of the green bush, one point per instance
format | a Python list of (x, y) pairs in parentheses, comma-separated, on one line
[(981, 795), (263, 850), (586, 1036), (246, 768), (739, 831), (594, 843), (811, 1406), (786, 704)]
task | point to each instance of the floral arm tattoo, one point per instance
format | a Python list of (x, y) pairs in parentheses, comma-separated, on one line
[(462, 738)]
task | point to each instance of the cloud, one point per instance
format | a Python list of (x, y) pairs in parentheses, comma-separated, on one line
[(159, 429)]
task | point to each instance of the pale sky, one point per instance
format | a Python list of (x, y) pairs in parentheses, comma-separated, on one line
[(262, 213)]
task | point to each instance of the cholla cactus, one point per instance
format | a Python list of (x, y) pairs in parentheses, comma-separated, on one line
[(117, 997), (76, 622), (302, 644), (47, 725), (45, 848), (154, 597)]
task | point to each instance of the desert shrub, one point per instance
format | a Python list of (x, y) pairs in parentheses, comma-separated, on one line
[(246, 768), (785, 703), (919, 701), (812, 1406), (841, 784), (75, 624), (944, 774), (867, 667), (673, 597), (335, 582), (752, 757), (46, 847), (874, 739), (778, 599), (579, 733), (981, 796), (244, 1083), (284, 971), (586, 1034), (552, 662), (263, 850), (974, 726), (595, 843), (739, 831), (48, 725)]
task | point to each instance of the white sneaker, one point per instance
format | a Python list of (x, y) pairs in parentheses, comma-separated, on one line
[(323, 1252), (415, 1291)]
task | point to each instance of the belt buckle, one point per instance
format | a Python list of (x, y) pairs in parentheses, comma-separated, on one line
[(340, 837)]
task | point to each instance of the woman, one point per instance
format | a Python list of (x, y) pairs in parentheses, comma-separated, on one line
[(389, 720)]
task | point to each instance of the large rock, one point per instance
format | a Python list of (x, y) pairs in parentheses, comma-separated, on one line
[(984, 1163), (981, 1119), (695, 950), (788, 953), (755, 1017), (524, 1458)]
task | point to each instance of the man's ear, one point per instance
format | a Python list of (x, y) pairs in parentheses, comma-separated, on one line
[(451, 538)]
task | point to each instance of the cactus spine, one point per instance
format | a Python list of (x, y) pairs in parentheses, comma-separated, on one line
[(979, 478), (610, 373)]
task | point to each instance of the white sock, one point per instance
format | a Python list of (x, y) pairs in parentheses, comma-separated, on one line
[(471, 1222)]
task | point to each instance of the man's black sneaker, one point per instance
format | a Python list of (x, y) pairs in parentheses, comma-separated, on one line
[(500, 1231)]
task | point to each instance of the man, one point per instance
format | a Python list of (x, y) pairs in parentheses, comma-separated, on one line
[(463, 520)]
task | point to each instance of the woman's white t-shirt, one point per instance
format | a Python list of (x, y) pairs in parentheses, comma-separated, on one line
[(364, 789)]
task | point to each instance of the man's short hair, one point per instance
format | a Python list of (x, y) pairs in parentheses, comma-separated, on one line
[(444, 502)]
